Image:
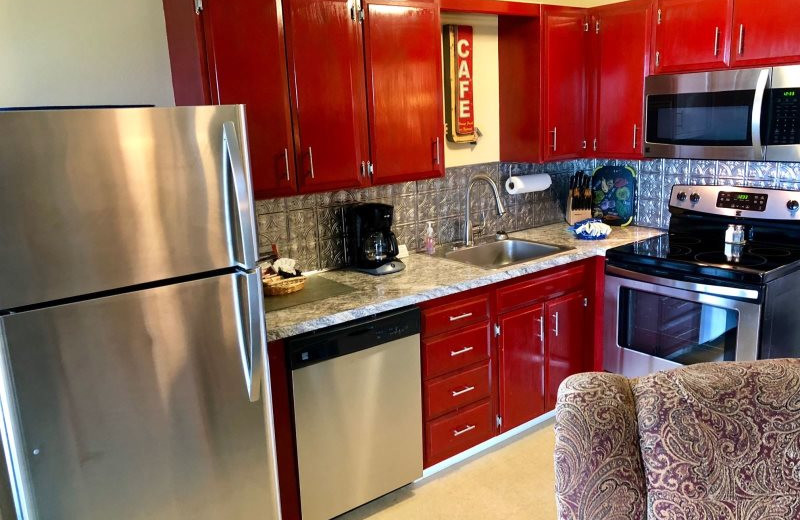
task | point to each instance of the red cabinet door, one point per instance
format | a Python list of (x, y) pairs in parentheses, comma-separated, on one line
[(569, 342), (404, 81), (252, 71), (327, 66), (564, 77), (765, 33), (620, 43), (521, 356), (692, 35)]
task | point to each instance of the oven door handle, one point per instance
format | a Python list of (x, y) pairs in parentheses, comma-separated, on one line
[(731, 292)]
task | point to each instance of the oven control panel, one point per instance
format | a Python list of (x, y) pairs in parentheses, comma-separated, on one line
[(737, 201), (742, 200)]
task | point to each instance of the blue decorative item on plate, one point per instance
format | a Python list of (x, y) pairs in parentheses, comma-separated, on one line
[(585, 234)]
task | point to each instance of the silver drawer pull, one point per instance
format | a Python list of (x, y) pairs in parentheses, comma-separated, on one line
[(454, 353), (464, 390), (469, 428), (460, 316)]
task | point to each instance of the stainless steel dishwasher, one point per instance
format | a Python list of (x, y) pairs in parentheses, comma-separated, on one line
[(357, 410)]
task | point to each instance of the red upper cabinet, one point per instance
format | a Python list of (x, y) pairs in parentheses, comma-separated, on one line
[(564, 82), (619, 36), (692, 35), (521, 354), (765, 32), (569, 342), (327, 66), (404, 81), (187, 53), (245, 70)]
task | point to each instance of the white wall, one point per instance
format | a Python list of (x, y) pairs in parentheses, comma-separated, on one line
[(79, 52)]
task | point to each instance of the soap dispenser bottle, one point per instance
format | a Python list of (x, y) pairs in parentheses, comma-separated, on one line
[(430, 240)]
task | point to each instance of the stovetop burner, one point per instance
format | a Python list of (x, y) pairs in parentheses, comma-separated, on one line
[(746, 259)]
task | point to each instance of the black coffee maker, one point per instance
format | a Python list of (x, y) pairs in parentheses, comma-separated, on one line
[(370, 245)]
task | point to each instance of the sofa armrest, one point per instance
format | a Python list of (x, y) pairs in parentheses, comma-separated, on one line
[(598, 465)]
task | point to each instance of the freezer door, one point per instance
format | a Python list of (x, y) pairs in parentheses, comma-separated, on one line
[(138, 406), (93, 200)]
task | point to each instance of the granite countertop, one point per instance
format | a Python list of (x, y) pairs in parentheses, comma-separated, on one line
[(428, 277)]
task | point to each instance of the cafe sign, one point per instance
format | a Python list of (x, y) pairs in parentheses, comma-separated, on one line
[(459, 99)]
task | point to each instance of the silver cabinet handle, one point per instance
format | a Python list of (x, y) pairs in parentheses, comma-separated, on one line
[(555, 316), (541, 327), (242, 209), (554, 131), (594, 144), (454, 353), (311, 161), (462, 431), (658, 58), (286, 162), (741, 39), (464, 390), (635, 129), (716, 41), (436, 157), (460, 316), (252, 334)]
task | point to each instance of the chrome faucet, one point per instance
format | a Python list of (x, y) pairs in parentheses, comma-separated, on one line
[(467, 219)]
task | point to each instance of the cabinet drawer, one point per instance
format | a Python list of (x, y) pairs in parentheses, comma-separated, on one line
[(454, 351), (541, 288), (461, 389), (455, 315), (450, 435)]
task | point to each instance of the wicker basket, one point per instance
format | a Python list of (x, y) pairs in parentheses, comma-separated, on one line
[(274, 285)]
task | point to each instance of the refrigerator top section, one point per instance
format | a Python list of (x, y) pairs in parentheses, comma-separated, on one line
[(98, 200)]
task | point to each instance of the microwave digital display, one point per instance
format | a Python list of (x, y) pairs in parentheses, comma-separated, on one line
[(741, 200)]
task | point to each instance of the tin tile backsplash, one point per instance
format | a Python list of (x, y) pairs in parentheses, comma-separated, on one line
[(308, 227)]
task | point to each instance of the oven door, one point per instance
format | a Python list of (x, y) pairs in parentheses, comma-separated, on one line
[(657, 324), (707, 115)]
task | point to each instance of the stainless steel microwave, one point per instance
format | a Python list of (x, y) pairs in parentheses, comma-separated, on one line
[(744, 114)]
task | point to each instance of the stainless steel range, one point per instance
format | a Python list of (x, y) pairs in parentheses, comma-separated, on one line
[(722, 285)]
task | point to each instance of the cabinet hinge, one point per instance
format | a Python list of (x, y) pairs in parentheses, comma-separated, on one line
[(585, 26), (659, 17), (496, 331), (198, 6), (499, 421), (361, 15), (586, 302), (370, 168), (597, 27), (594, 144)]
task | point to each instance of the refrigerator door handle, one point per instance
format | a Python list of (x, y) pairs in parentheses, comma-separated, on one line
[(243, 236), (252, 329)]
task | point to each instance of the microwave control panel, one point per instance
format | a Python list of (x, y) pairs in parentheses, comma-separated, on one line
[(742, 200), (784, 116)]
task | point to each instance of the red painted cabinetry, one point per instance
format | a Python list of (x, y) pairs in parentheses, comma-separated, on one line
[(619, 40), (405, 97), (564, 82), (327, 66), (569, 341), (765, 32), (692, 35), (245, 70)]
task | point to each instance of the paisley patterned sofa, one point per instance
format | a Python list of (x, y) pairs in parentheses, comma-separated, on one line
[(715, 441)]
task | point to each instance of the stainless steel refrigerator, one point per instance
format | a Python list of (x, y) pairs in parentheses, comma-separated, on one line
[(133, 379)]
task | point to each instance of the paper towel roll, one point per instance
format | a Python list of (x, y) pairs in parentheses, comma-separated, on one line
[(528, 183)]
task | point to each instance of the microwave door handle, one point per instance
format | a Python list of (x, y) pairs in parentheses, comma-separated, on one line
[(758, 107), (242, 234)]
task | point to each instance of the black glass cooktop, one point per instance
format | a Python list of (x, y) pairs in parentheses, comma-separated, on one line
[(711, 258)]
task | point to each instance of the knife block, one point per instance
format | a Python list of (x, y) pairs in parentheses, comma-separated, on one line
[(576, 215)]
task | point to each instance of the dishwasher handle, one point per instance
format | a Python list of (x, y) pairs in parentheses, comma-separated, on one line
[(341, 340)]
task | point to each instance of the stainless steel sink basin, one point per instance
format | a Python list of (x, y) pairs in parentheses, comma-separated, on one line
[(494, 255)]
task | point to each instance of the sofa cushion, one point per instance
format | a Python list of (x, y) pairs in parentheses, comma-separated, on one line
[(721, 440), (598, 468)]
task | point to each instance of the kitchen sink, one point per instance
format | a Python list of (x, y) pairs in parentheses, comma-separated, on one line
[(502, 253)]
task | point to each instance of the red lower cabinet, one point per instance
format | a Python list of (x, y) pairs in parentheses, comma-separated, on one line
[(521, 353), (457, 432), (569, 341)]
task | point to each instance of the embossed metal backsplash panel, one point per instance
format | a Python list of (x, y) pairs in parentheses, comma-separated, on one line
[(308, 227)]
